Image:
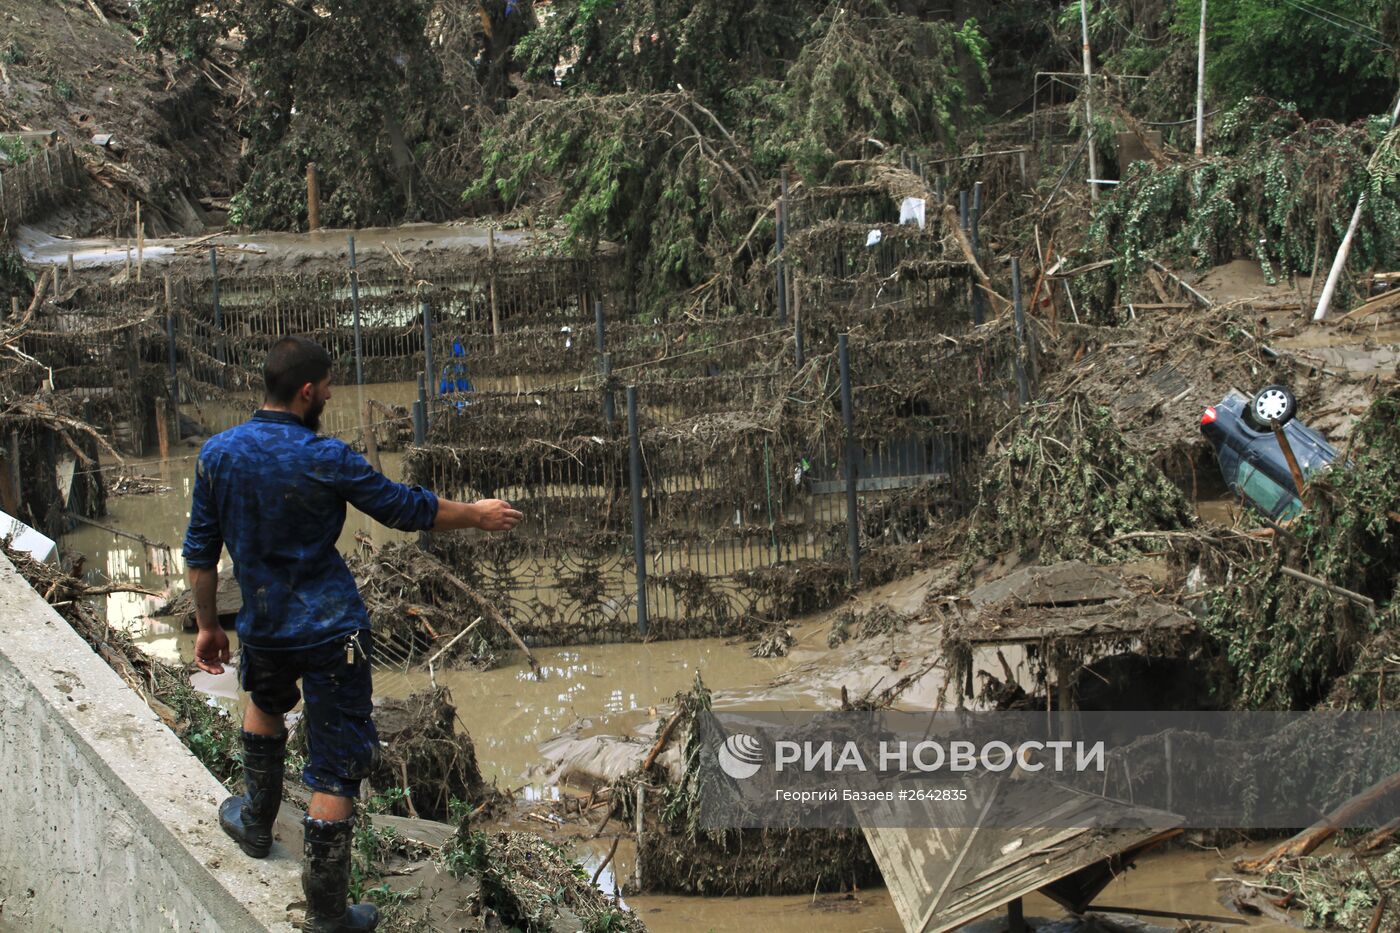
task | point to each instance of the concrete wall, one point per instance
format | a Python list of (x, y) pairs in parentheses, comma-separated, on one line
[(107, 822)]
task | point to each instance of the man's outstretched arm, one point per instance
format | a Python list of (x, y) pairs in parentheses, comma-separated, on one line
[(486, 514), (412, 508)]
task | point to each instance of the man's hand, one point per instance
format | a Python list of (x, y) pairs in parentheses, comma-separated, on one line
[(211, 650), (211, 644), (496, 515)]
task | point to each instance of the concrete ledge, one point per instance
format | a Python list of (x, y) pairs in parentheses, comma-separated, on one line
[(107, 822)]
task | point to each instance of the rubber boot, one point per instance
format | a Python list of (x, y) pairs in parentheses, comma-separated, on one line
[(325, 877), (248, 819)]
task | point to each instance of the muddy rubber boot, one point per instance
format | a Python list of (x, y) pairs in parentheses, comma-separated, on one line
[(248, 819), (325, 877)]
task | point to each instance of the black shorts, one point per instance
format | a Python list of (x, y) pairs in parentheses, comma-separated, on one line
[(341, 743)]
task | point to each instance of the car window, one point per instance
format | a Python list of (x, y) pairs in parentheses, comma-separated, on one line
[(1268, 495)]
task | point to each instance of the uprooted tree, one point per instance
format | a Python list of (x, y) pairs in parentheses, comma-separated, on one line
[(675, 121)]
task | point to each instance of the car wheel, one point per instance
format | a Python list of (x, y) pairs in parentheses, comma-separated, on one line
[(1272, 403)]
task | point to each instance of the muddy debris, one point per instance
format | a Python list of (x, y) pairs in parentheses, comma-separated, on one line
[(1067, 484), (417, 614), (528, 883), (677, 856), (426, 767), (775, 643)]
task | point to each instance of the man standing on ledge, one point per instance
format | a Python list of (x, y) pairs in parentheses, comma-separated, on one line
[(274, 491)]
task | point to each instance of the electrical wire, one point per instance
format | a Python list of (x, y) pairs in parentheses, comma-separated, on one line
[(1374, 38)]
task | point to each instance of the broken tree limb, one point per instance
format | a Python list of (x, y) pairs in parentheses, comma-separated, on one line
[(1205, 302), (597, 872), (447, 647), (1378, 837), (661, 741), (951, 224), (1318, 833), (139, 539), (1365, 602), (495, 616), (1288, 455)]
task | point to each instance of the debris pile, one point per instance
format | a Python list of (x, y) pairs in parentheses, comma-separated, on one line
[(423, 753), (526, 883), (418, 611), (1313, 618), (1066, 484), (677, 856)]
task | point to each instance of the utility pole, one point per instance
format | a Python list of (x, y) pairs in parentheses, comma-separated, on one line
[(1339, 262), (1201, 87), (1088, 107)]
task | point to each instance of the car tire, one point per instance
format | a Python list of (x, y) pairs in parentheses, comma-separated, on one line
[(1274, 402)]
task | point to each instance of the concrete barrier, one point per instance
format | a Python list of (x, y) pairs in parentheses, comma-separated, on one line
[(107, 822)]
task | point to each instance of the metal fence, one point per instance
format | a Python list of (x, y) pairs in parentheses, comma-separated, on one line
[(712, 512)]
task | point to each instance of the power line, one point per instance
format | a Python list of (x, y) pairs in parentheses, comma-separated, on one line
[(1374, 39), (1322, 10)]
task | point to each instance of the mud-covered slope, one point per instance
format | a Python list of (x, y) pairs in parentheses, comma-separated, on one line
[(63, 68)]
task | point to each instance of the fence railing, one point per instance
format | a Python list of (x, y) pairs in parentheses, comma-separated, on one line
[(45, 179), (748, 508)]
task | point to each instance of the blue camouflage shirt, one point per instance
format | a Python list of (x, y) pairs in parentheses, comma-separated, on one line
[(274, 491)]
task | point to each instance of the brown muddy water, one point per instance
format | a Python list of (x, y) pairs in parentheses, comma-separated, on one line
[(282, 250), (612, 688)]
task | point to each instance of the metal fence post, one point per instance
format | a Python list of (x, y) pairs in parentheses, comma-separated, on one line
[(781, 243), (214, 271), (600, 332), (1023, 389), (428, 369), (355, 306), (420, 415), (170, 340), (639, 519), (974, 221), (218, 312), (609, 403), (851, 458)]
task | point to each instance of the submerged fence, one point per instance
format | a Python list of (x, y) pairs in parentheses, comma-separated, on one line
[(707, 514)]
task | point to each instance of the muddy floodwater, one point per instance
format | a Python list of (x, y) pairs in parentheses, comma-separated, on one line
[(594, 689), (254, 249)]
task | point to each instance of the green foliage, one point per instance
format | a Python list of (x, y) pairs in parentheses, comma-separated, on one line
[(16, 150), (1067, 485), (348, 84), (1336, 891), (892, 78), (653, 172), (388, 801), (12, 53), (674, 112), (208, 730), (1288, 641), (706, 48), (1270, 181), (1327, 56)]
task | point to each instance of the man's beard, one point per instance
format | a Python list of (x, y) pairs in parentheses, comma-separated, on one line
[(312, 418)]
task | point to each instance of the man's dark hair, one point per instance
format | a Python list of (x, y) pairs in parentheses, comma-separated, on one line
[(292, 363)]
